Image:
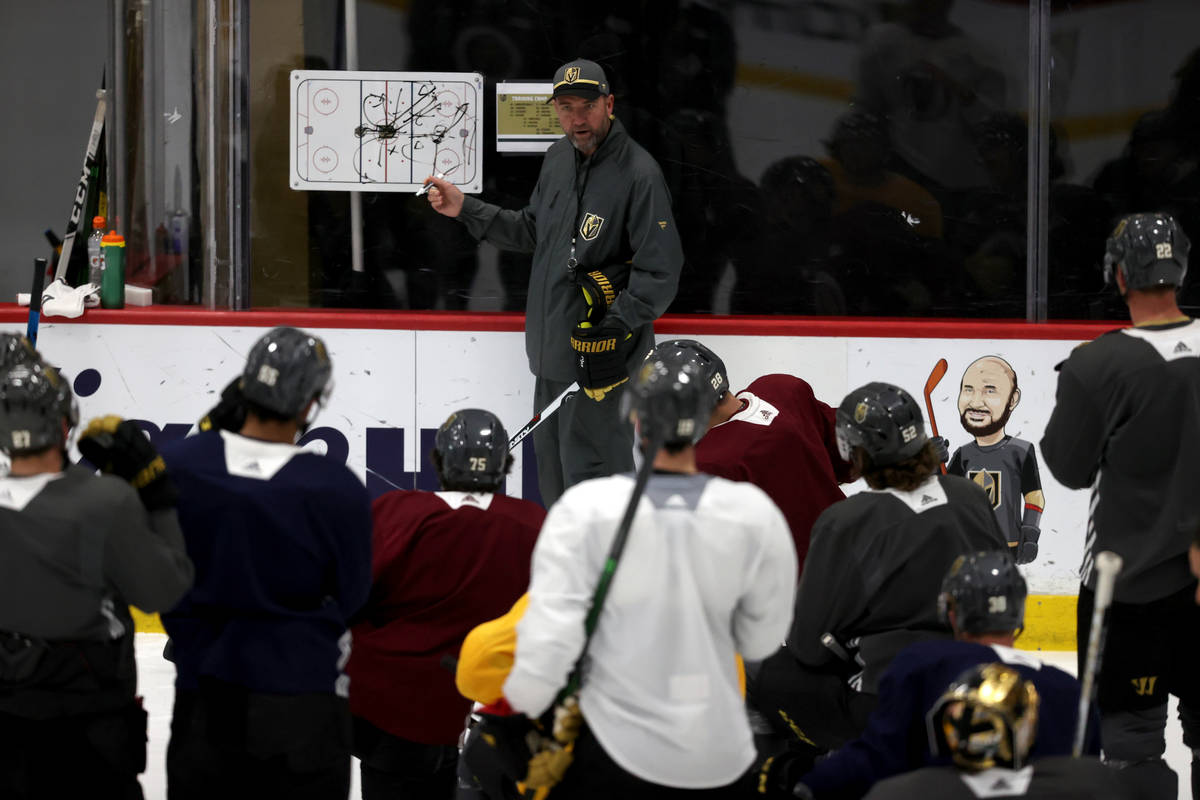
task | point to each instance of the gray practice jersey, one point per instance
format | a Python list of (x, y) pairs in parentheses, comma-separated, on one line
[(1058, 778), (874, 567), (1126, 422), (75, 546), (1006, 471)]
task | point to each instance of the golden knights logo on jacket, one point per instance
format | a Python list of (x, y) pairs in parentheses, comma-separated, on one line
[(589, 229)]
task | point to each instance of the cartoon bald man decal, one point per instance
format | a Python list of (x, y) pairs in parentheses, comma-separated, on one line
[(1004, 466)]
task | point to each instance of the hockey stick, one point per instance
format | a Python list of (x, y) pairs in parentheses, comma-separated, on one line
[(35, 300), (935, 377), (1108, 564), (541, 416), (89, 160)]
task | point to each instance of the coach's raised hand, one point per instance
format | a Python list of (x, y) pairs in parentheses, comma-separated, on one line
[(444, 196)]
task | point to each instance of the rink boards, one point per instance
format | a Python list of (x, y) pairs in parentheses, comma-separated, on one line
[(398, 376)]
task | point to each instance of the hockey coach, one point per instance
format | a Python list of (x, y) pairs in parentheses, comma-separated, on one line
[(606, 262)]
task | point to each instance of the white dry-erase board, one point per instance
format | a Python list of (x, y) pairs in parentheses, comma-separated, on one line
[(384, 131)]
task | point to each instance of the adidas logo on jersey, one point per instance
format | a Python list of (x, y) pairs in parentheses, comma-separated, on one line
[(1001, 785), (766, 413), (252, 466), (1182, 348), (926, 499)]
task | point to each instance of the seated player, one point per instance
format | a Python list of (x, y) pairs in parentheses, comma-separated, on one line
[(443, 562), (983, 599), (876, 561), (987, 722), (774, 434)]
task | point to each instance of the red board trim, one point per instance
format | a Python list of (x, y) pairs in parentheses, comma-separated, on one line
[(700, 324)]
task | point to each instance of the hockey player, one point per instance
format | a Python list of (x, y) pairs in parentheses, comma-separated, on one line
[(983, 599), (875, 562), (1005, 466), (708, 571), (444, 562), (987, 722), (77, 549), (775, 434), (1126, 422), (281, 539)]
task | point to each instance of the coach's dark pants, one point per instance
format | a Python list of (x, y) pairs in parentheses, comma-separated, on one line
[(584, 439)]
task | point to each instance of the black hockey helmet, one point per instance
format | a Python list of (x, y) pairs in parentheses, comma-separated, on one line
[(883, 420), (472, 450), (15, 349), (34, 402), (285, 369), (672, 398), (710, 364), (986, 593), (1149, 249), (986, 718)]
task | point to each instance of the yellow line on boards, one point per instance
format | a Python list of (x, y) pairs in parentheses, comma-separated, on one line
[(1049, 623)]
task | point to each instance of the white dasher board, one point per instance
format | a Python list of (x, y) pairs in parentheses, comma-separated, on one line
[(384, 131)]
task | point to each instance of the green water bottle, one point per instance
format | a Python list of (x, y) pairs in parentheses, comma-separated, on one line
[(112, 284)]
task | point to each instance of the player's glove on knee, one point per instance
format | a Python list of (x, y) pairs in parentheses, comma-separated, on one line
[(229, 414), (600, 356), (1027, 548), (118, 447)]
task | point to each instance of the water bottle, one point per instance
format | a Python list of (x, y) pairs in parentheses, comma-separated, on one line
[(112, 287), (95, 252)]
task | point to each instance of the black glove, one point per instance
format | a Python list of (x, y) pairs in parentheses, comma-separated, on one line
[(118, 447), (1027, 549), (600, 355), (230, 413), (942, 445), (778, 775)]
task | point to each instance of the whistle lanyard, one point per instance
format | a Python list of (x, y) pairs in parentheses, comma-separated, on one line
[(572, 262)]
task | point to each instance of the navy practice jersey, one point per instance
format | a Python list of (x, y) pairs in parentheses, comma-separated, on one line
[(896, 738), (1006, 471), (281, 540), (1060, 778)]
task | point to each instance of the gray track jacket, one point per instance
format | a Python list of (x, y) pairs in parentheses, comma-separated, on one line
[(616, 205)]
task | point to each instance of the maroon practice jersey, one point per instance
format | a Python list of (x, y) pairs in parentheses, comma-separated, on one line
[(443, 562), (783, 442)]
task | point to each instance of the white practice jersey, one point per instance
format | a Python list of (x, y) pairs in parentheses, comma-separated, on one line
[(708, 572)]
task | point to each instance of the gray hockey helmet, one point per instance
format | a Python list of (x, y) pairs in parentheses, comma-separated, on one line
[(1149, 249), (34, 402), (472, 446), (883, 420), (710, 364), (285, 369), (17, 349), (986, 593), (672, 397)]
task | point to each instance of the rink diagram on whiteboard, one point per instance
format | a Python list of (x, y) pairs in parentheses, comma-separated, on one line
[(384, 131)]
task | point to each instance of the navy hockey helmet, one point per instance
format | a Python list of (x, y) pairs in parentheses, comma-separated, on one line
[(986, 593), (1149, 249), (884, 421), (34, 402), (986, 718), (472, 448), (677, 351), (672, 398), (16, 349), (285, 369)]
